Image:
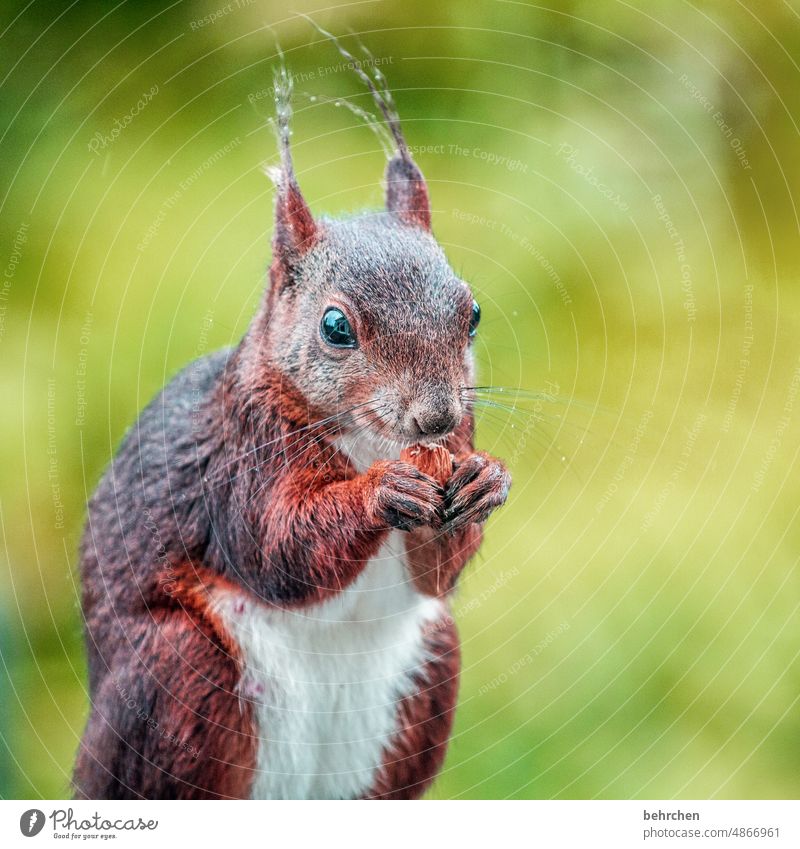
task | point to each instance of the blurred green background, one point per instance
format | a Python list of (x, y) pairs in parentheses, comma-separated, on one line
[(617, 180)]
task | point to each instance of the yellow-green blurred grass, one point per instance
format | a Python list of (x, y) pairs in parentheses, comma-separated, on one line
[(678, 672)]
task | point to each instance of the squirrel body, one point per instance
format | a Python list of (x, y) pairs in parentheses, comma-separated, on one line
[(267, 562), (334, 674)]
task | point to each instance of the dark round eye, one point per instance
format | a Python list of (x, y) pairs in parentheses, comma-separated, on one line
[(335, 329), (474, 319)]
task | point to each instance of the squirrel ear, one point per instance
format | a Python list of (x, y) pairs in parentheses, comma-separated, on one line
[(407, 192), (295, 228)]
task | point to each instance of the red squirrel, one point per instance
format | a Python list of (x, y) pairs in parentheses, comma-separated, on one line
[(267, 562)]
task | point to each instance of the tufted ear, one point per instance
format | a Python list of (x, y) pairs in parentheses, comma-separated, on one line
[(407, 192), (295, 231)]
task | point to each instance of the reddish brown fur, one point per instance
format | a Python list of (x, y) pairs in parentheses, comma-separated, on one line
[(407, 194), (436, 556), (169, 722)]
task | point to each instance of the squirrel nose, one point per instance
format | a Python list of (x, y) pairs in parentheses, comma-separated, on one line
[(434, 422)]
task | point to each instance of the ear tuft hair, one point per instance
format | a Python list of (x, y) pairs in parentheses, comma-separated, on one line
[(406, 191), (295, 229)]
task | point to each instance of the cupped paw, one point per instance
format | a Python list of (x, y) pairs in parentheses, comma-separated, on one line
[(478, 486), (403, 497)]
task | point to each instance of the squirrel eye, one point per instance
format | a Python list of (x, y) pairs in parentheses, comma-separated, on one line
[(475, 319), (335, 329)]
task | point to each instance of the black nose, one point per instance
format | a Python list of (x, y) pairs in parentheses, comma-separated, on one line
[(435, 422)]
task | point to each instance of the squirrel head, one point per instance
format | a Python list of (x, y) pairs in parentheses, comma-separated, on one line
[(365, 314)]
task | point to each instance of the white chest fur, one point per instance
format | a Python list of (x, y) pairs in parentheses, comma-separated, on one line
[(326, 680)]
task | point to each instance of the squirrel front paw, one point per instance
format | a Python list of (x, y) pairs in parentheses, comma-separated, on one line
[(403, 497), (479, 485)]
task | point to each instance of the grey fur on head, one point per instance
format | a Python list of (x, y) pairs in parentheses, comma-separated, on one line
[(386, 274)]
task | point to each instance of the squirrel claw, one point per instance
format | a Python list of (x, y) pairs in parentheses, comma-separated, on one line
[(479, 485), (403, 497)]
